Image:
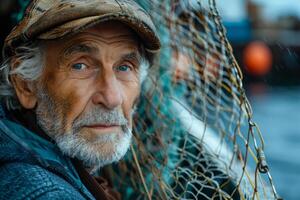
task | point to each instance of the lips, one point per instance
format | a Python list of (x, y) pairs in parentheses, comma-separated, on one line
[(102, 126)]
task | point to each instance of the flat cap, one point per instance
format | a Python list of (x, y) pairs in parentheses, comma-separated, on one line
[(53, 19)]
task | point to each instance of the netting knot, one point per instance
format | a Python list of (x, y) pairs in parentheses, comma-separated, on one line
[(262, 163)]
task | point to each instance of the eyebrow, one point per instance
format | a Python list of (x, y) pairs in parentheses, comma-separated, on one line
[(80, 48), (133, 56), (90, 49)]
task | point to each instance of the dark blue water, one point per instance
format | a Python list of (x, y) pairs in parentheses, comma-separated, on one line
[(277, 111)]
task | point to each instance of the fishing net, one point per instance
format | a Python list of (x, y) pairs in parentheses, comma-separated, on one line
[(194, 137)]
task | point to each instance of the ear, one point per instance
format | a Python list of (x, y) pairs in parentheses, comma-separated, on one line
[(24, 90), (25, 93)]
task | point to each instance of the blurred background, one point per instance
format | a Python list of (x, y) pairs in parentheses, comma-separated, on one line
[(265, 35)]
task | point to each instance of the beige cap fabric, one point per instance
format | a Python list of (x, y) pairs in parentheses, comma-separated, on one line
[(53, 19)]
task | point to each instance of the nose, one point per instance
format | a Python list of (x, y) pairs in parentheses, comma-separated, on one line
[(109, 92)]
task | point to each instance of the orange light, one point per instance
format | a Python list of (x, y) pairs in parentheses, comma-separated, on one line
[(257, 58)]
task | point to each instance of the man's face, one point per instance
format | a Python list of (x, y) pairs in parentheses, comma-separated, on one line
[(87, 92)]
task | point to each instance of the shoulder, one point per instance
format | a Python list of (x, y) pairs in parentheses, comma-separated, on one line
[(26, 181)]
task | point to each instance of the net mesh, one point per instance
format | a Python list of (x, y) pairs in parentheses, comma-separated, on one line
[(193, 133)]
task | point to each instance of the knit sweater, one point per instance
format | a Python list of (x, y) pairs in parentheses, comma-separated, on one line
[(34, 168)]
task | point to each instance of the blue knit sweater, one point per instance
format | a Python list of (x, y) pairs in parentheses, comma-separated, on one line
[(34, 168)]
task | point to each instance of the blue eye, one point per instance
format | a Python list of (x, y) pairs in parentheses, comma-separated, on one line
[(79, 66), (123, 68)]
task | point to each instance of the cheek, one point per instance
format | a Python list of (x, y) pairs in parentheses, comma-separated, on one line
[(131, 93), (70, 97)]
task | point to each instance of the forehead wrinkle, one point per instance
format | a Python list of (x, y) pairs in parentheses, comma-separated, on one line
[(86, 42), (114, 38)]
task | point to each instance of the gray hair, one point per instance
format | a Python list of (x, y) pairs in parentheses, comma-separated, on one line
[(31, 65)]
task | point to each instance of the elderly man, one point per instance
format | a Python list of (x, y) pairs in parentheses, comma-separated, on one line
[(70, 82)]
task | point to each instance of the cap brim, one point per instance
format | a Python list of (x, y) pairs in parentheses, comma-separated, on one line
[(149, 38)]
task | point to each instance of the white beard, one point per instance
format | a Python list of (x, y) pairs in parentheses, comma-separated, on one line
[(105, 149)]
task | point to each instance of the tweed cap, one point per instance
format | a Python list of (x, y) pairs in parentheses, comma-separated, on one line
[(53, 19)]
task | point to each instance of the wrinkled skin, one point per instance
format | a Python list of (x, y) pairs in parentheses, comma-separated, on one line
[(109, 87), (97, 68)]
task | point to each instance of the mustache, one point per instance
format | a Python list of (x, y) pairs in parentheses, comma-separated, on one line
[(100, 115)]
